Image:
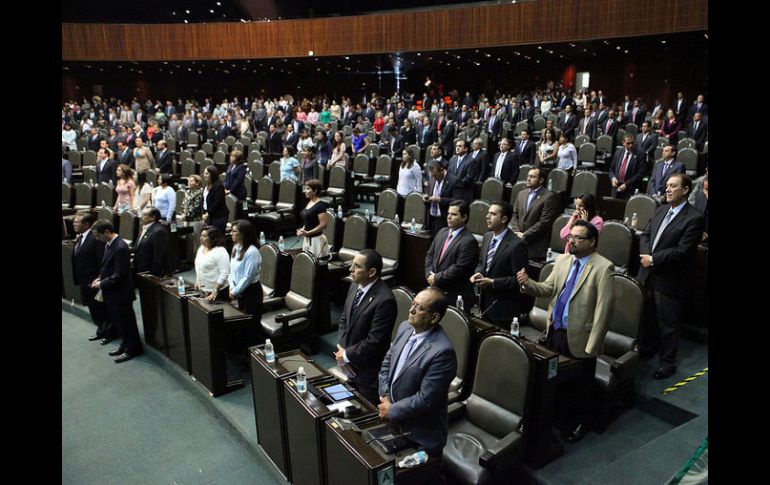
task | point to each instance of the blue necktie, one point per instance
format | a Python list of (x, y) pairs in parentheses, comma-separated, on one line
[(356, 302), (564, 297), (404, 355), (491, 253)]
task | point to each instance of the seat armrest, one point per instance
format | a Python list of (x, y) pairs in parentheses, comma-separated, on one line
[(503, 452), (456, 410), (284, 318), (285, 210), (624, 366), (272, 302)]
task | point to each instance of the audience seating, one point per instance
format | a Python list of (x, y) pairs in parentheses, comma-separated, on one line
[(200, 155), (523, 171), (558, 244), (256, 167), (274, 170), (84, 196), (285, 214), (67, 196), (269, 276), (644, 206), (336, 192), (615, 244), (477, 219), (129, 226), (387, 205), (583, 183), (685, 143), (105, 193), (265, 197), (457, 328), (492, 190), (587, 155), (558, 180), (192, 140), (89, 174), (689, 157), (404, 297), (208, 148), (354, 239), (388, 245), (581, 140), (415, 208), (632, 129), (515, 189)]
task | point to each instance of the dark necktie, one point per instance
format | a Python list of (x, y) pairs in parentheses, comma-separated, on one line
[(491, 253), (446, 245), (663, 225), (623, 168), (78, 242), (564, 297), (356, 302)]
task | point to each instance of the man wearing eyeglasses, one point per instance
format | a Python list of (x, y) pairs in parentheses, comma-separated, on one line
[(581, 287)]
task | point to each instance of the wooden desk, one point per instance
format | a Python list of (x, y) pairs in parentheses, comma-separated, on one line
[(175, 316), (70, 291), (411, 265), (149, 287)]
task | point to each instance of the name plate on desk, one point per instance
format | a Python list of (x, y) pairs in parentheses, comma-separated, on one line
[(553, 366), (386, 476)]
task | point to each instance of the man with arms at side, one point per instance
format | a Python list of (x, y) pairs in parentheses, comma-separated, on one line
[(165, 158), (442, 190), (366, 324), (465, 169), (664, 169), (452, 256), (647, 141), (525, 152), (502, 256), (106, 168), (533, 214), (118, 290), (580, 286), (627, 169), (504, 165), (86, 262), (416, 374), (151, 248), (667, 250)]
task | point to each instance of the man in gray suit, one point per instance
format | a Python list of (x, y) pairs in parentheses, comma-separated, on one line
[(416, 374), (533, 214), (366, 324)]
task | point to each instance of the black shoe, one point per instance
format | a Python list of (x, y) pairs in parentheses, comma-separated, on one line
[(105, 341), (113, 353), (577, 434), (124, 357), (664, 372), (94, 337)]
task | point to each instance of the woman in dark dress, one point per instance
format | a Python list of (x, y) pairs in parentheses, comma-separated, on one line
[(215, 210), (236, 172), (308, 163), (315, 219)]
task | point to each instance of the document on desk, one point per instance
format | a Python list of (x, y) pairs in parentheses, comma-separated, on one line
[(339, 406)]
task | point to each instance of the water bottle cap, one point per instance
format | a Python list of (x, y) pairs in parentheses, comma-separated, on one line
[(267, 341), (301, 370)]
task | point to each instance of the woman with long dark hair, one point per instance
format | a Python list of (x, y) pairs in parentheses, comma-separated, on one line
[(315, 219), (212, 265), (215, 210), (245, 266), (585, 209)]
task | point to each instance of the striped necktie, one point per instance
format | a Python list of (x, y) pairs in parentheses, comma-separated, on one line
[(491, 253)]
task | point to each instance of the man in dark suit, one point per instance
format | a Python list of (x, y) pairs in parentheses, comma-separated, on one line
[(637, 113), (426, 135), (118, 290), (94, 140), (587, 125), (164, 158), (663, 170), (568, 121), (274, 141), (481, 157), (125, 156), (627, 169), (151, 248), (290, 138), (453, 255), (609, 126), (396, 143), (493, 128), (533, 214), (502, 256), (401, 113), (528, 113), (416, 374), (525, 151), (106, 168), (601, 116), (667, 250), (446, 135), (680, 107), (442, 189), (465, 169), (699, 106), (647, 142), (86, 262), (698, 130), (366, 324), (223, 131), (504, 165)]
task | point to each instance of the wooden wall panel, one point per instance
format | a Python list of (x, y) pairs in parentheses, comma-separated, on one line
[(544, 21)]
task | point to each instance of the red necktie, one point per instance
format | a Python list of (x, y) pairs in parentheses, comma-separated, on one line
[(606, 130), (446, 244), (623, 168)]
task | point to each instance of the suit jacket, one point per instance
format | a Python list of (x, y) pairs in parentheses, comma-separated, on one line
[(453, 272), (234, 180), (611, 131), (528, 155), (291, 141), (674, 255), (680, 109), (419, 394), (164, 161), (425, 139), (410, 136), (398, 146), (658, 180), (482, 158), (496, 129), (590, 304), (365, 336), (648, 146), (275, 143), (115, 274), (108, 173), (510, 170), (447, 137), (590, 129), (151, 251), (536, 222), (86, 263), (127, 158), (93, 142), (510, 256), (466, 175), (698, 135), (637, 168), (641, 115), (568, 126), (215, 202)]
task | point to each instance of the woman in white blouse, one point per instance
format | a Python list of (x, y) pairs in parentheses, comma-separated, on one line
[(409, 175), (212, 265), (567, 154)]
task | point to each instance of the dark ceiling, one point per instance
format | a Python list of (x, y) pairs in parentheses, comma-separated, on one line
[(194, 11)]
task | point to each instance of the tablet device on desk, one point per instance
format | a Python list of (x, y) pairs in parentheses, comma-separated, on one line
[(338, 392)]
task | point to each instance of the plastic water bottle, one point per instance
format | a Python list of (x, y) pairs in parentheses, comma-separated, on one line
[(301, 381), (281, 245), (413, 460), (104, 204), (245, 205), (550, 185), (261, 238), (634, 220), (368, 215), (269, 351), (515, 327), (180, 286), (395, 219), (549, 255), (636, 192), (460, 305), (413, 227), (339, 212)]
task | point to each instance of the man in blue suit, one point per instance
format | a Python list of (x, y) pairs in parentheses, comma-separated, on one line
[(416, 373), (664, 168)]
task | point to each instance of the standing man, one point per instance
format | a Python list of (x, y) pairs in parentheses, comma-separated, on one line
[(86, 260), (416, 374), (580, 286), (664, 169), (465, 169), (106, 168), (442, 190), (627, 169), (366, 324), (504, 165), (164, 162), (525, 151), (647, 142), (533, 214), (118, 290), (502, 256), (453, 255), (151, 248), (667, 250)]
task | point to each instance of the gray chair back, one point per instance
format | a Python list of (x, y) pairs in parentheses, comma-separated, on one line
[(265, 190), (89, 174), (689, 157), (517, 187), (129, 226), (337, 178), (207, 162), (248, 183), (492, 190), (455, 325), (558, 244), (253, 155), (388, 244), (181, 195), (106, 213), (414, 208), (632, 129), (404, 297), (287, 195), (415, 152), (662, 141), (581, 140), (257, 168), (84, 196), (303, 279), (75, 158), (184, 155), (523, 170), (388, 204), (231, 202), (192, 139), (208, 148), (268, 275), (354, 237), (539, 124), (558, 180), (66, 194), (106, 192), (627, 311), (477, 218), (361, 165), (538, 316), (584, 183), (275, 171), (604, 144), (220, 158), (520, 126), (188, 167), (685, 143), (383, 167), (615, 243), (644, 206), (372, 150), (223, 147), (587, 153), (89, 158), (200, 155), (331, 229)]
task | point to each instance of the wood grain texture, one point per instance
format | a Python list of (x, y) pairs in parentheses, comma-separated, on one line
[(544, 21)]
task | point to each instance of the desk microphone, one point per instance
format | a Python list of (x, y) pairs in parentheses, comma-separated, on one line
[(390, 437)]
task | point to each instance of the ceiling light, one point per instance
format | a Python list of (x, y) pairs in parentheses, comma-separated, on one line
[(211, 10), (617, 47), (662, 41), (219, 4), (539, 47), (173, 13), (626, 51), (187, 11), (185, 20)]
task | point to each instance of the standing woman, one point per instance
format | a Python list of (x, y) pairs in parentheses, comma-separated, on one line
[(214, 208), (548, 148), (567, 154), (308, 163), (143, 192), (236, 172), (245, 265), (315, 219), (324, 149), (125, 189), (164, 197), (289, 165), (192, 205), (409, 175), (142, 155), (670, 126), (212, 265), (338, 151)]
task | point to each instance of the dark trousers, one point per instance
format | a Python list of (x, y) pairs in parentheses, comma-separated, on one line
[(105, 328), (663, 320), (578, 391), (220, 223), (369, 392), (436, 223), (122, 315)]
